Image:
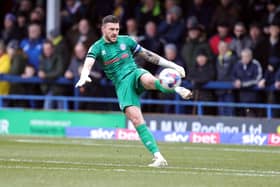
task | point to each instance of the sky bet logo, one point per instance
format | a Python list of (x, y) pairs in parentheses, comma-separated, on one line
[(254, 139), (274, 139), (176, 137), (208, 138)]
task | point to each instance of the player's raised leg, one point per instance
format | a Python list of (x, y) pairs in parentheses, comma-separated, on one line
[(150, 82), (135, 115)]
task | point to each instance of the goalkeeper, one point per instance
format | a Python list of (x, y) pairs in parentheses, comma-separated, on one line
[(115, 53)]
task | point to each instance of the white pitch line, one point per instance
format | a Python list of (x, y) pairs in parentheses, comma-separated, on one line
[(77, 142), (140, 171), (220, 170)]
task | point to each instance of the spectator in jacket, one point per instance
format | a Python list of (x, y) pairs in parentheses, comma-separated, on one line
[(18, 64), (227, 9), (132, 29), (272, 14), (51, 68), (83, 32), (74, 71), (223, 34), (240, 40), (32, 45), (21, 26), (10, 30), (276, 112), (201, 73), (257, 38), (5, 65), (171, 54), (246, 74), (203, 11), (271, 55), (149, 10), (224, 65), (171, 30), (152, 42), (195, 41), (60, 46)]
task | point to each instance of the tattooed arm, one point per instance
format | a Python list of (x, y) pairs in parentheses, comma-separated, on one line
[(158, 60)]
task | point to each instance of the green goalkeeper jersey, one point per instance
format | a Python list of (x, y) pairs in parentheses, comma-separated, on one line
[(116, 58)]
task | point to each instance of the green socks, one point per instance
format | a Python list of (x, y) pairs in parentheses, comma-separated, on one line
[(147, 138), (162, 89)]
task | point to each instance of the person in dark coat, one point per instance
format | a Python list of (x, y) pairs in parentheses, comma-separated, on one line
[(18, 64), (194, 42), (201, 73), (171, 29), (246, 75), (50, 68)]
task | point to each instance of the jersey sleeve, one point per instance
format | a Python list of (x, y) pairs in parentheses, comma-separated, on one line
[(133, 45), (93, 52)]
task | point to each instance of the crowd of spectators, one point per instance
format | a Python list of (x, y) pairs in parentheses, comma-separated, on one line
[(214, 40)]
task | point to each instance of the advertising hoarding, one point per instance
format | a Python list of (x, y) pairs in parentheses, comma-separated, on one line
[(53, 123)]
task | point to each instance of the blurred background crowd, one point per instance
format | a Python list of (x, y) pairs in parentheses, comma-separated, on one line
[(214, 40)]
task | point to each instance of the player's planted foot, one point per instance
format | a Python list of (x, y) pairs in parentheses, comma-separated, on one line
[(183, 92), (158, 162)]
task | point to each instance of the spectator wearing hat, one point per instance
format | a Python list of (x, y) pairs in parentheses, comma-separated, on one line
[(10, 30), (223, 34), (203, 11), (195, 41), (240, 39), (171, 30), (246, 74), (18, 64), (201, 73), (225, 62), (5, 65)]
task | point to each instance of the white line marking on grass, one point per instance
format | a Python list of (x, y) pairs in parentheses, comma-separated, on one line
[(81, 142), (139, 171), (238, 172)]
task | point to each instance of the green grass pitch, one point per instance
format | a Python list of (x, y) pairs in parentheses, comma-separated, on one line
[(61, 162)]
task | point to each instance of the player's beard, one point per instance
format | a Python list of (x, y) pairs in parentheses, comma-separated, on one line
[(112, 38)]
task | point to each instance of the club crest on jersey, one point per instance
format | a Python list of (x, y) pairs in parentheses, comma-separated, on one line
[(103, 52), (122, 46)]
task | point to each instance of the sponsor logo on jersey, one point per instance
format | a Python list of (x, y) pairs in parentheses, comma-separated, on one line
[(122, 46)]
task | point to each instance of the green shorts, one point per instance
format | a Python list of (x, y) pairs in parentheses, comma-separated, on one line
[(130, 88)]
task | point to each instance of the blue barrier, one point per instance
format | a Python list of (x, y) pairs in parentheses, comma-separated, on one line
[(62, 80), (179, 103)]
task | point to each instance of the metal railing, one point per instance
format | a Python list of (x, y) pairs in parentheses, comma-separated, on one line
[(177, 102)]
